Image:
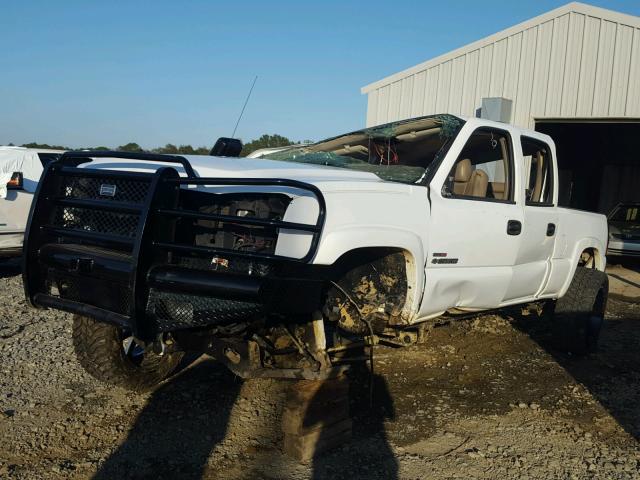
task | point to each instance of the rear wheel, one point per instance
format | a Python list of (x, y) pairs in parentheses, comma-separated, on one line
[(579, 315), (112, 355)]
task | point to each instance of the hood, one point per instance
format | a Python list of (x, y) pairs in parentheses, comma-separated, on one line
[(326, 178)]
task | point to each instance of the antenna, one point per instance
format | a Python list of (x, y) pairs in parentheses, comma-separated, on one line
[(244, 106)]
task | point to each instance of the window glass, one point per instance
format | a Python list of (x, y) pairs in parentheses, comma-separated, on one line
[(626, 213), (482, 170), (538, 166)]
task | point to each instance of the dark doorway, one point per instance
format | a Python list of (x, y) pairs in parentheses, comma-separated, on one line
[(598, 162)]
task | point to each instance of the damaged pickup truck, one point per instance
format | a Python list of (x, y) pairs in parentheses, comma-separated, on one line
[(289, 266)]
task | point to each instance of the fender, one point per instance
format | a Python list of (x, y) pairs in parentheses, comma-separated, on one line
[(338, 242), (579, 247)]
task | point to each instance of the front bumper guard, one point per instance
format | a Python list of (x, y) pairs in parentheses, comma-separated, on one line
[(126, 277)]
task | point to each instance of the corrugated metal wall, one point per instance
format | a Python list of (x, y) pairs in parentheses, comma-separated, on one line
[(572, 65)]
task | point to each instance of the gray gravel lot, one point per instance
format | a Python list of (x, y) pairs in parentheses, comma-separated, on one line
[(484, 398)]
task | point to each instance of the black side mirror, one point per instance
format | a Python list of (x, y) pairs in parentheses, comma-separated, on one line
[(226, 147)]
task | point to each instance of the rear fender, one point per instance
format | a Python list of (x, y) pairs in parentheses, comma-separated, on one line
[(582, 245)]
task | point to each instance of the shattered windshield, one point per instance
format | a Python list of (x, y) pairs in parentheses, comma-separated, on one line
[(398, 152)]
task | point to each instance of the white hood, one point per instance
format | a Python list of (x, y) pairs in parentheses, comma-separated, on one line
[(242, 167), (325, 178)]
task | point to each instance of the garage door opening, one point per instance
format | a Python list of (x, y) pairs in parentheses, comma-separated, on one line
[(598, 162)]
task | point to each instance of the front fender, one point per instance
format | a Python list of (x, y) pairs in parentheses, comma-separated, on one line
[(337, 243)]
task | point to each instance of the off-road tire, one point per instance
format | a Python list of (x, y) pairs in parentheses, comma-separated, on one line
[(100, 351), (579, 314)]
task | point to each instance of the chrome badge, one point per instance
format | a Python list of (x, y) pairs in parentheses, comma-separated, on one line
[(107, 190)]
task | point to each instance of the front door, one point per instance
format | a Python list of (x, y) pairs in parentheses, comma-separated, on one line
[(476, 225)]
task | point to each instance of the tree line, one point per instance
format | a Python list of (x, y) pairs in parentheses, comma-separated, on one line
[(264, 141)]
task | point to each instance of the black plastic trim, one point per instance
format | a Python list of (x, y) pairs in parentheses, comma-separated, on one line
[(541, 204)]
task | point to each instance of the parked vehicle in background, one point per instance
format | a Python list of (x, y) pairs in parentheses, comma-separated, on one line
[(20, 171), (288, 266), (624, 230)]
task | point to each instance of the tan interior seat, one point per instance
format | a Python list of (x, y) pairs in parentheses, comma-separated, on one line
[(478, 184), (462, 176), (469, 181), (498, 189), (537, 188)]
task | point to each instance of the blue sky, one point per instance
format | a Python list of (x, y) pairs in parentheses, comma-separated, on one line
[(86, 73)]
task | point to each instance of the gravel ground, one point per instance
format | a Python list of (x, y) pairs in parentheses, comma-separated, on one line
[(484, 398)]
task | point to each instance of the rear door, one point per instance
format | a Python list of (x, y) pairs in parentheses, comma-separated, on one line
[(533, 262), (475, 226)]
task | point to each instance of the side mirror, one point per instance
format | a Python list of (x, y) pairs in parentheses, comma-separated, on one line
[(16, 182), (226, 147)]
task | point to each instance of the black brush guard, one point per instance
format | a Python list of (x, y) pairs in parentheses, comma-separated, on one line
[(115, 265)]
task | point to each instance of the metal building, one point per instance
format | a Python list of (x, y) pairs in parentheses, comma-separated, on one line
[(573, 73)]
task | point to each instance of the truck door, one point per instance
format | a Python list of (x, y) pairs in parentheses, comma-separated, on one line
[(533, 263), (475, 225)]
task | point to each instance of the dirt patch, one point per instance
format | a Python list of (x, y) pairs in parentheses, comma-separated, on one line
[(484, 398)]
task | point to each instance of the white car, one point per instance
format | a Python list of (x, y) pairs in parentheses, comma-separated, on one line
[(289, 265), (20, 170)]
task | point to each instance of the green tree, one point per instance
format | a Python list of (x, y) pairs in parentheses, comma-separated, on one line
[(130, 147), (44, 146), (265, 141)]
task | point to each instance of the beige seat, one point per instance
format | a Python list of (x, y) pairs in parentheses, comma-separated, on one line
[(468, 181)]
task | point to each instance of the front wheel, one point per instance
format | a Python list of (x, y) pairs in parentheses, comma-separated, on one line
[(111, 355), (579, 314)]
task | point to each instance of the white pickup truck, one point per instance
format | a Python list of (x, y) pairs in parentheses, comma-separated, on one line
[(290, 265)]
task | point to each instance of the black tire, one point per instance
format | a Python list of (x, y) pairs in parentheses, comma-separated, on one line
[(100, 350), (579, 315)]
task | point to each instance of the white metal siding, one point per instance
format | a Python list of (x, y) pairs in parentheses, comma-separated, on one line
[(574, 62)]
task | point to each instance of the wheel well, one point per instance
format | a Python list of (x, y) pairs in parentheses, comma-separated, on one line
[(590, 258), (395, 259)]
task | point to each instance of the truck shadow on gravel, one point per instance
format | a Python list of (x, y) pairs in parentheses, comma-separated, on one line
[(612, 375), (184, 419), (369, 454), (182, 422)]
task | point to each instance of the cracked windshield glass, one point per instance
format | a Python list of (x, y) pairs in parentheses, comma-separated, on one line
[(397, 152)]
